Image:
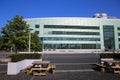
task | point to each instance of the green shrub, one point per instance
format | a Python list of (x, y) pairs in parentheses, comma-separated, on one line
[(19, 57), (106, 55), (117, 56)]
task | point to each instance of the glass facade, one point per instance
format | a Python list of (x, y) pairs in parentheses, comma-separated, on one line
[(77, 33), (95, 45), (108, 31)]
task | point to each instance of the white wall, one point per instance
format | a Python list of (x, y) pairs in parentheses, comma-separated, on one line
[(57, 51), (14, 68)]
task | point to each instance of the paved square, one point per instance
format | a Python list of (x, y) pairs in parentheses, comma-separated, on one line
[(69, 67)]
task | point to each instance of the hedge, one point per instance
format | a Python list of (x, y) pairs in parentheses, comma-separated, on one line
[(19, 57), (112, 55)]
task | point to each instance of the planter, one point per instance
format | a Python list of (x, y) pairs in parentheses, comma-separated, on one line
[(14, 68), (106, 59), (5, 59)]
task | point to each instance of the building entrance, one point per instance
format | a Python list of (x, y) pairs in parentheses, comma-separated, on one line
[(108, 32)]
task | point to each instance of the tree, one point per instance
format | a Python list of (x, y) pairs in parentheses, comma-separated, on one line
[(15, 35), (35, 42)]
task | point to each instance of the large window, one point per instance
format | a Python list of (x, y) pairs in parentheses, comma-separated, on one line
[(71, 27), (72, 46), (75, 33), (108, 32), (70, 39)]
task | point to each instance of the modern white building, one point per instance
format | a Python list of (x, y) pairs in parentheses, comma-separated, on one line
[(76, 34)]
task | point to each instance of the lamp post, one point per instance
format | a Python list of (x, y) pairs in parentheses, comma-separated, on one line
[(96, 46), (43, 45), (42, 49), (29, 29)]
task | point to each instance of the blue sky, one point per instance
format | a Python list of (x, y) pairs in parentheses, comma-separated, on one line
[(56, 8)]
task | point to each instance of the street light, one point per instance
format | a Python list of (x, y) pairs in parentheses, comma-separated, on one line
[(96, 46), (29, 29)]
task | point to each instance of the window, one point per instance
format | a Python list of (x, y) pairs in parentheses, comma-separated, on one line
[(37, 26), (108, 31), (37, 32), (71, 27), (118, 28), (72, 46), (70, 39), (75, 33), (118, 34)]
